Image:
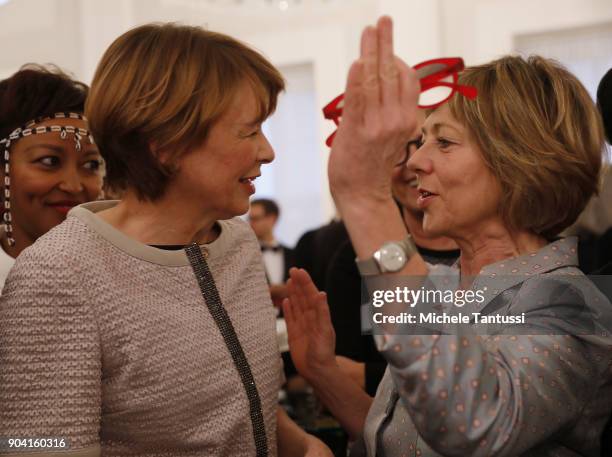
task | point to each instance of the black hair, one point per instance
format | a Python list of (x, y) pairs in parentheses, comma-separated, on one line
[(604, 102), (269, 206), (37, 91)]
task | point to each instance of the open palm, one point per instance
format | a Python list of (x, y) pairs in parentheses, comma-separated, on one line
[(312, 340)]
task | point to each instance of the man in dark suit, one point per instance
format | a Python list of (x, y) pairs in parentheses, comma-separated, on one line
[(263, 216)]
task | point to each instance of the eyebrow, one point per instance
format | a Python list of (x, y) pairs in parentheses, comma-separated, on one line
[(439, 125), (53, 147), (253, 123)]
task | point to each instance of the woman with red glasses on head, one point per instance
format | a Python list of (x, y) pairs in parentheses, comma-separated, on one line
[(437, 81), (502, 175), (49, 161)]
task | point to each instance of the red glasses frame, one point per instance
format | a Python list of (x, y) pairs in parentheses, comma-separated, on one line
[(429, 77)]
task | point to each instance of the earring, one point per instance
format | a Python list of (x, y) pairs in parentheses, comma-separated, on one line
[(6, 217)]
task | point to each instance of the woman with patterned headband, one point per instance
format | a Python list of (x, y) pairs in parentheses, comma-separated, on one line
[(49, 160)]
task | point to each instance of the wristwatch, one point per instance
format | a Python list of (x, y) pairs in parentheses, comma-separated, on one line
[(391, 257)]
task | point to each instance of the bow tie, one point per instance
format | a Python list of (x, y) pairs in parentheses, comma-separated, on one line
[(270, 248)]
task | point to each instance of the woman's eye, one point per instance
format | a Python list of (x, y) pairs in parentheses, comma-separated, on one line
[(49, 161), (415, 144), (93, 165), (443, 144), (252, 133)]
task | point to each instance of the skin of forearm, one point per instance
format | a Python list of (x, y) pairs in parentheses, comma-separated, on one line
[(370, 224), (291, 439), (343, 397)]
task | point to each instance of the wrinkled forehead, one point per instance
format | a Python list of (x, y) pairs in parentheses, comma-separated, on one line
[(440, 119)]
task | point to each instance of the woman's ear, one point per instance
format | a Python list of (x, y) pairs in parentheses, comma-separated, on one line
[(165, 156), (158, 153)]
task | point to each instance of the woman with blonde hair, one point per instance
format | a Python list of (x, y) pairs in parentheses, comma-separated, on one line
[(502, 175), (143, 326)]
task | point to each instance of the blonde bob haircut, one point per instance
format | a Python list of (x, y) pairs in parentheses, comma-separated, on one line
[(160, 87), (540, 135)]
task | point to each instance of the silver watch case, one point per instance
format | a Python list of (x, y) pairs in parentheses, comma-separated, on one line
[(390, 258)]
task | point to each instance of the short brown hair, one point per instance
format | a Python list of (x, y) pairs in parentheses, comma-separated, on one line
[(166, 85), (540, 135)]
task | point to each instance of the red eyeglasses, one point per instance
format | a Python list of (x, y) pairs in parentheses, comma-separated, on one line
[(438, 78)]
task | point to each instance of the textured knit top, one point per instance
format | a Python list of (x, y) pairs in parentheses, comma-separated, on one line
[(108, 343)]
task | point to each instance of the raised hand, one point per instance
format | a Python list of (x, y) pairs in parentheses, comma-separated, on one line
[(379, 118), (312, 340)]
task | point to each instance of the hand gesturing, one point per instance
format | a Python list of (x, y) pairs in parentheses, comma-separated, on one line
[(312, 340), (379, 118)]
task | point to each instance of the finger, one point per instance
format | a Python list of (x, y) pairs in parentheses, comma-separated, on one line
[(369, 56), (289, 316), (409, 88), (308, 287), (306, 313), (296, 308), (323, 307), (310, 320), (306, 299), (323, 314), (301, 278), (387, 69), (353, 96), (310, 293)]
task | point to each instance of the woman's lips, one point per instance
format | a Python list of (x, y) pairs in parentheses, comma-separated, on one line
[(248, 183), (425, 198), (63, 207)]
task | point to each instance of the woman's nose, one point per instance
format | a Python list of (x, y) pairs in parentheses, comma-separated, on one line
[(419, 162), (71, 182), (266, 152)]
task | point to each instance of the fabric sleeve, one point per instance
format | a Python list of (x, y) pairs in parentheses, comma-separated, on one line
[(50, 381), (344, 299), (497, 395)]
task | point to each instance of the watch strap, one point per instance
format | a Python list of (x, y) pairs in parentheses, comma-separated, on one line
[(368, 267)]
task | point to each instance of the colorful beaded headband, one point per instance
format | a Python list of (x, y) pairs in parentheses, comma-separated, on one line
[(27, 130)]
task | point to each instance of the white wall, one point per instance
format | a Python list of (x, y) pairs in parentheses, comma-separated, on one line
[(295, 178), (325, 37), (481, 30), (322, 34), (32, 31)]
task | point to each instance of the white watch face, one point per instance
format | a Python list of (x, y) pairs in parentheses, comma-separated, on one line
[(392, 257)]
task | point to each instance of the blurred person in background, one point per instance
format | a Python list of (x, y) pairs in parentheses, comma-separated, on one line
[(49, 161), (604, 103), (502, 176), (278, 258), (154, 328), (316, 248), (594, 226)]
